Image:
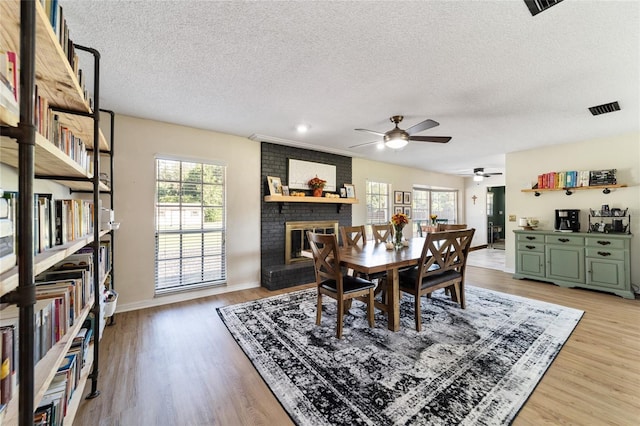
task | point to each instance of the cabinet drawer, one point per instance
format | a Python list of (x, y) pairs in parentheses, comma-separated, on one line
[(531, 247), (531, 238), (564, 239), (608, 243), (605, 253)]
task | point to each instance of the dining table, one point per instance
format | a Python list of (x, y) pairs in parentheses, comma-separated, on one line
[(373, 258)]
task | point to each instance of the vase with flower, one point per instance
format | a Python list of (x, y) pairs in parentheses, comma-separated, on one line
[(433, 219), (398, 221), (317, 185)]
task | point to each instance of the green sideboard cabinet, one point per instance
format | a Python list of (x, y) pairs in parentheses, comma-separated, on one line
[(595, 261)]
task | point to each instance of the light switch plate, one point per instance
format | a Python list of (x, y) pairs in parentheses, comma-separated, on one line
[(512, 218)]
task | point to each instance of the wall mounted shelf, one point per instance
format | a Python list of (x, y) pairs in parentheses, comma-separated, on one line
[(281, 199), (605, 189)]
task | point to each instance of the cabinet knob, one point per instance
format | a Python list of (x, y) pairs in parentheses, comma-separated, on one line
[(530, 247), (604, 243), (564, 240), (604, 253), (529, 237)]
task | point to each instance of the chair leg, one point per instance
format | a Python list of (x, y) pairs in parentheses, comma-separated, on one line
[(418, 312), (461, 298), (370, 303), (347, 306), (340, 314), (319, 309)]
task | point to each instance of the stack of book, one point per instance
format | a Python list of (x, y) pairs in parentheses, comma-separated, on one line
[(574, 179)]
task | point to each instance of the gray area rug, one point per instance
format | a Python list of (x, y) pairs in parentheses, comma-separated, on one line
[(475, 366)]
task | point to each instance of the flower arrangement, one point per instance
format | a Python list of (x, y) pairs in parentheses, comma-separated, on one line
[(399, 220), (316, 183), (433, 218)]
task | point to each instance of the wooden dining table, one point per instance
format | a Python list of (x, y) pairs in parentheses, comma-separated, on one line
[(373, 258)]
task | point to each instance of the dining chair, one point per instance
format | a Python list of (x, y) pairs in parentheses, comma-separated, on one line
[(353, 235), (451, 227), (442, 265), (332, 282), (382, 233)]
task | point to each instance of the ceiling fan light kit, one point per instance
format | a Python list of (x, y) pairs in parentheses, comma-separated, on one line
[(398, 138)]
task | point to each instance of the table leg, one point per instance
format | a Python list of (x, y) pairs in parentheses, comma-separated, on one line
[(393, 300)]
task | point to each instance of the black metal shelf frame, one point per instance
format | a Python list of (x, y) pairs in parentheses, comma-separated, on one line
[(24, 296)]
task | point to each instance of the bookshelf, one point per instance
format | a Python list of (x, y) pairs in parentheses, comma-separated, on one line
[(27, 30), (569, 190)]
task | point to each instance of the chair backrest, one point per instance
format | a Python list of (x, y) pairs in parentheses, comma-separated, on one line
[(444, 251), (447, 227), (353, 235), (382, 233), (326, 258)]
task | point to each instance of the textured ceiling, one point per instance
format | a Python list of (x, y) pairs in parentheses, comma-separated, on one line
[(496, 79)]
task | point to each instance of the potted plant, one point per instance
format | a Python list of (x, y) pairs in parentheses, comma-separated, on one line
[(317, 185)]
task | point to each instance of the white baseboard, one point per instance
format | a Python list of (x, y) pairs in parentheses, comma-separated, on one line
[(182, 296)]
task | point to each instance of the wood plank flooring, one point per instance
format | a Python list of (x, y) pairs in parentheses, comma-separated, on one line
[(178, 365)]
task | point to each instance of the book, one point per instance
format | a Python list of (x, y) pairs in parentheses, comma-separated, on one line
[(8, 223), (6, 355), (61, 221), (12, 72)]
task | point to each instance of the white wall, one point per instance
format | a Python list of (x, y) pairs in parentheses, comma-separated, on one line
[(137, 143), (522, 169), (401, 179)]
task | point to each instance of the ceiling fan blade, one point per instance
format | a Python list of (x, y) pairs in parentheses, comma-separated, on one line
[(491, 174), (370, 131), (417, 128), (365, 144), (436, 139)]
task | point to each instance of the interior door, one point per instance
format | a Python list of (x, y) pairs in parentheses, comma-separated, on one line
[(495, 216)]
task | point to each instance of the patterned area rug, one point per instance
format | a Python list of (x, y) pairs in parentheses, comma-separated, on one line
[(475, 366)]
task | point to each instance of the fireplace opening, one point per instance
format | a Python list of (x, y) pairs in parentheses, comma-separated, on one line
[(296, 238)]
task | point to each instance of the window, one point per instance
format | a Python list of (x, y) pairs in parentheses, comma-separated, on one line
[(443, 203), (190, 225), (377, 196)]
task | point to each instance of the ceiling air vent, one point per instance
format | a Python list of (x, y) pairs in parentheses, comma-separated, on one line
[(537, 6), (605, 108)]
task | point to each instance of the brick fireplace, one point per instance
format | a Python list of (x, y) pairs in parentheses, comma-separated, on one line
[(276, 273)]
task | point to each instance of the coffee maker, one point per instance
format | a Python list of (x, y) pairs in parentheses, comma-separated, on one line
[(567, 220)]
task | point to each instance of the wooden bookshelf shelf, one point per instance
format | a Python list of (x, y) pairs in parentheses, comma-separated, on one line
[(53, 72), (569, 191), (49, 161), (8, 118), (46, 368), (44, 261)]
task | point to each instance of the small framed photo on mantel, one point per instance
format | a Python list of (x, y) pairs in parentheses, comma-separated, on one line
[(275, 185), (350, 190)]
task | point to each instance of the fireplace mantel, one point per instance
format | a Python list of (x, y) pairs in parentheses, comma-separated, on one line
[(281, 199)]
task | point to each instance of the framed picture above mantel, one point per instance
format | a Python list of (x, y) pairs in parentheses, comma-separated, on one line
[(300, 172)]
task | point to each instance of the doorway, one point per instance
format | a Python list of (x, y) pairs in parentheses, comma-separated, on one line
[(495, 217)]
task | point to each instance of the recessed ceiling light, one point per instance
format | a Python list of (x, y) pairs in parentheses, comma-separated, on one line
[(380, 145), (302, 128)]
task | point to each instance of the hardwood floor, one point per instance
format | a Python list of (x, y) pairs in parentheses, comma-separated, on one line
[(178, 365)]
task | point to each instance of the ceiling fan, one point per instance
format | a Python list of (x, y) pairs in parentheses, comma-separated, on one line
[(479, 174), (397, 138)]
